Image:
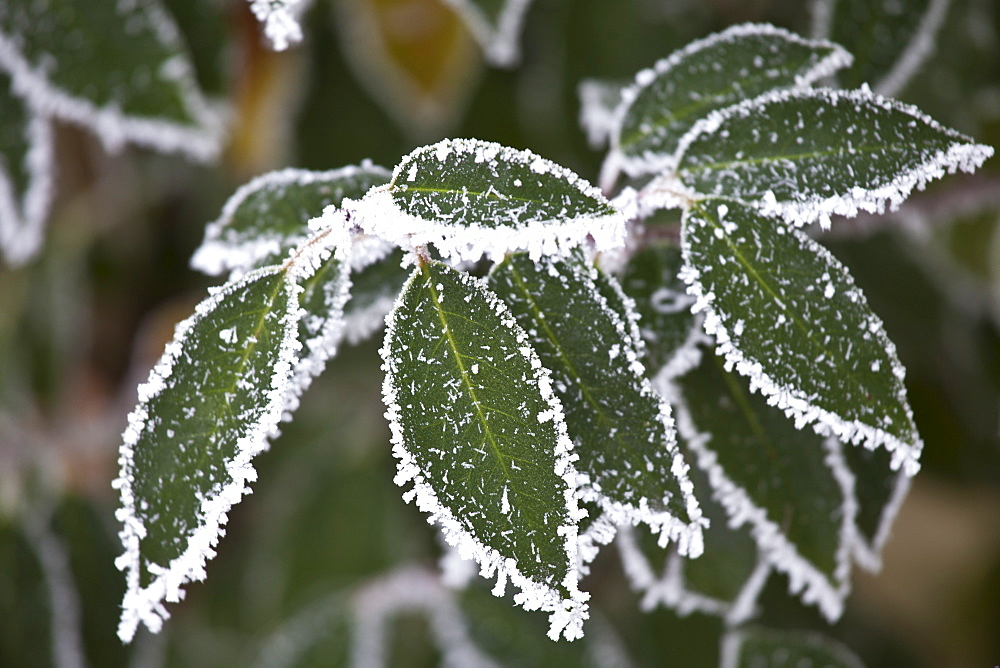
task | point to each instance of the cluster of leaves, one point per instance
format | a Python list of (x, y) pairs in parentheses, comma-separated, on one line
[(554, 373)]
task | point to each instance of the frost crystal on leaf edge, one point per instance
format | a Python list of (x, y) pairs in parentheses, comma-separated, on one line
[(803, 578)]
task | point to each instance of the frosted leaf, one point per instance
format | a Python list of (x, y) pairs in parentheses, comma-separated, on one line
[(26, 166), (787, 315), (758, 646), (894, 38), (280, 19), (118, 68), (472, 198), (670, 330), (806, 155), (880, 493), (268, 217), (469, 440), (206, 410), (598, 101), (779, 480), (496, 25), (322, 269), (709, 74), (621, 429), (725, 581)]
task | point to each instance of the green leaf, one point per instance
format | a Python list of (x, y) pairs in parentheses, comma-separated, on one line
[(269, 216), (621, 428), (774, 477), (669, 329), (118, 68), (724, 581), (709, 74), (808, 154), (479, 433), (496, 25), (469, 198), (890, 40), (26, 147), (749, 647), (788, 316), (880, 493), (208, 407), (322, 325)]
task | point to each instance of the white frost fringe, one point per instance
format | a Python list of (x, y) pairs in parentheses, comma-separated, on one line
[(566, 614), (237, 252), (672, 591)]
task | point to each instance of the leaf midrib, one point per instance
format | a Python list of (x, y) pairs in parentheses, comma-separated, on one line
[(466, 380), (495, 196), (587, 393), (780, 303), (253, 342), (793, 157)]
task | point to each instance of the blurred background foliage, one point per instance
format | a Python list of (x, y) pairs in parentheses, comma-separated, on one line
[(81, 325)]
